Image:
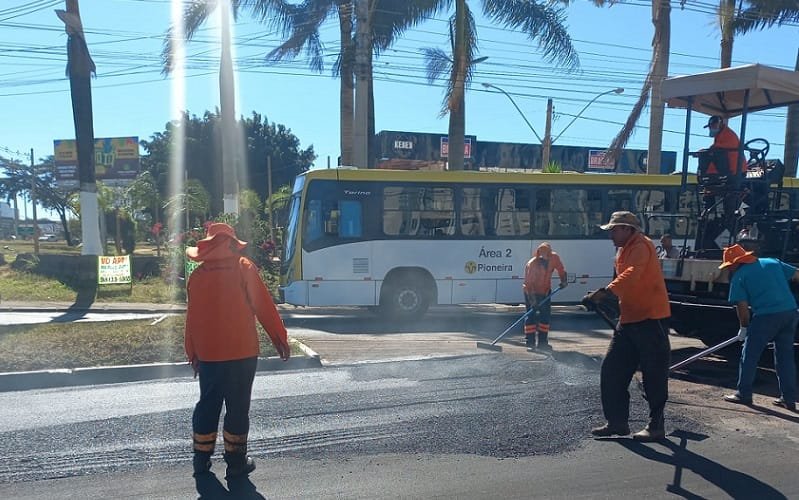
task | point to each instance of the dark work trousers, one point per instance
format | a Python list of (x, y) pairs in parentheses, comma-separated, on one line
[(540, 316), (645, 343), (228, 382)]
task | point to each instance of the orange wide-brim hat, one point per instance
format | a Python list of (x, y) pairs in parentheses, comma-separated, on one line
[(217, 233), (736, 254)]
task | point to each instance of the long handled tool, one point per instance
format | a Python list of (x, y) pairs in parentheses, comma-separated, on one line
[(702, 354), (605, 314), (493, 344)]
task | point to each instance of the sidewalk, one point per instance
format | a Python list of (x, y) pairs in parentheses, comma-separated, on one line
[(43, 379)]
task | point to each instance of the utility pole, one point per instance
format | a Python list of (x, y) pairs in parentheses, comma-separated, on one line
[(33, 204), (269, 197), (363, 43), (547, 146)]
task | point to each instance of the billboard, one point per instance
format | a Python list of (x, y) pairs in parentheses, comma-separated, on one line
[(116, 160)]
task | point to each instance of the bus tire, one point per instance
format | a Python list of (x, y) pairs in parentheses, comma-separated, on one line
[(405, 297)]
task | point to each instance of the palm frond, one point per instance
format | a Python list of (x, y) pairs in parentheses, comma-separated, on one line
[(304, 23), (194, 15), (437, 63), (390, 18), (543, 23), (763, 14), (626, 132)]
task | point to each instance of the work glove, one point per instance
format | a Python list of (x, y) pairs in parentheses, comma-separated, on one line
[(284, 351), (742, 334), (600, 298)]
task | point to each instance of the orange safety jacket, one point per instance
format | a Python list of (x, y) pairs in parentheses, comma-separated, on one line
[(727, 140), (639, 282), (538, 273), (225, 296)]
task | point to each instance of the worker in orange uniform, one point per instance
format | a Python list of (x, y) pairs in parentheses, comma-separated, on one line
[(722, 159), (225, 296), (725, 144), (641, 337), (537, 285)]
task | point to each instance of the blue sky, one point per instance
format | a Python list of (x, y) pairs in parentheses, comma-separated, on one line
[(132, 98)]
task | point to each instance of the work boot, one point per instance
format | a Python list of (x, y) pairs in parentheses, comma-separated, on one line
[(543, 343), (649, 435), (608, 430), (788, 406), (654, 430), (202, 463), (529, 341), (238, 464)]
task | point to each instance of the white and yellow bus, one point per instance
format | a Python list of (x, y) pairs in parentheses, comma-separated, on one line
[(405, 240)]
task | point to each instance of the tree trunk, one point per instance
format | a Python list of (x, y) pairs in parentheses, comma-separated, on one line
[(347, 93), (726, 19), (661, 19), (457, 101), (791, 153), (371, 146), (227, 104), (363, 49), (80, 67)]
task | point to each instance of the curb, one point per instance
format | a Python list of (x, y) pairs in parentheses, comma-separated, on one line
[(102, 375)]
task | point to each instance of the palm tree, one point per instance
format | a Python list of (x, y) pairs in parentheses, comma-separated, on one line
[(386, 21), (539, 20), (80, 69), (763, 14)]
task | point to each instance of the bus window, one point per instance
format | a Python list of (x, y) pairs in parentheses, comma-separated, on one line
[(620, 199), (313, 221), (473, 206), (650, 204), (567, 212), (351, 223), (513, 212), (421, 211)]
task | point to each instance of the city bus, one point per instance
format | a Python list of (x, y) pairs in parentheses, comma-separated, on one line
[(406, 240)]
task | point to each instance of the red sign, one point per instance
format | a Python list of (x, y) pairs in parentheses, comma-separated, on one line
[(467, 147)]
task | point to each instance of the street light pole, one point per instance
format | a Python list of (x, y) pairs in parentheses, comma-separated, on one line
[(547, 141), (612, 91), (492, 86)]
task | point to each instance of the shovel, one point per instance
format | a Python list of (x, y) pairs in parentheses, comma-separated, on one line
[(493, 344)]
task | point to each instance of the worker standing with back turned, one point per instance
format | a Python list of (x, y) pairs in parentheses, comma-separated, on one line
[(225, 297), (641, 335), (537, 285)]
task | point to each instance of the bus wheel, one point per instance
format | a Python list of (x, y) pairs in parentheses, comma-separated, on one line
[(404, 299)]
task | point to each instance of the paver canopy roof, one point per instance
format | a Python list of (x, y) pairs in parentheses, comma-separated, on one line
[(721, 92)]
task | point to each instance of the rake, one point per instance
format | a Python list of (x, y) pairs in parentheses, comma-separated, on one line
[(493, 344)]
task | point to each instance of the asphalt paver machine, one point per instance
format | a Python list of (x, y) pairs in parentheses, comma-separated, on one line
[(757, 208)]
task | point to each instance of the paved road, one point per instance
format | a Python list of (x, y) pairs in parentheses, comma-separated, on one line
[(488, 426)]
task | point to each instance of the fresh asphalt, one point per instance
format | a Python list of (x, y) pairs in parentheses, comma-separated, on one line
[(505, 425)]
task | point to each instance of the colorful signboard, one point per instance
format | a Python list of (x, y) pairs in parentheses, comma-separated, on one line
[(597, 160), (113, 269), (116, 160)]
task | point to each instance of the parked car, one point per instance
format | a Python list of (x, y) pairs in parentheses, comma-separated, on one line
[(48, 237)]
